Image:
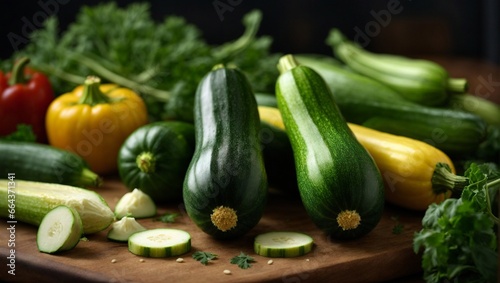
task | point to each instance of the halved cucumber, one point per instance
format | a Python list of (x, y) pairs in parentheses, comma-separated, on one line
[(161, 242), (60, 230), (122, 229), (282, 244)]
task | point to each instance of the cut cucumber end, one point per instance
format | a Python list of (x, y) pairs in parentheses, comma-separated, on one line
[(161, 242), (60, 230), (283, 244)]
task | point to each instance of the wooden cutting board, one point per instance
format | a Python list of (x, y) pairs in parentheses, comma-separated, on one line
[(379, 256)]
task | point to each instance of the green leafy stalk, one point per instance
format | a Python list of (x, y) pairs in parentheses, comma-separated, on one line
[(458, 236)]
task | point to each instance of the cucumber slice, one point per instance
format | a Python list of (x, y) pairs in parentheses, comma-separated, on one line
[(161, 242), (282, 244), (122, 229), (60, 230), (135, 204)]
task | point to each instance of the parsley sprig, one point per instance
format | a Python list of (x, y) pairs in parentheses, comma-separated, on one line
[(242, 260), (204, 257), (458, 235)]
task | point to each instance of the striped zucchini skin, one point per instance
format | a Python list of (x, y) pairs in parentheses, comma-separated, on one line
[(227, 168), (369, 103), (44, 163), (335, 173), (160, 242)]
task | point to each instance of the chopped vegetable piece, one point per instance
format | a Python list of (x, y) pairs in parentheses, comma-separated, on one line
[(60, 230), (122, 229), (135, 204), (160, 242), (283, 244)]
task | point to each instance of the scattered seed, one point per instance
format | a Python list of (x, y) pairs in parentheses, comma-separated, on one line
[(307, 259), (141, 260), (270, 262), (113, 260), (180, 259), (227, 271)]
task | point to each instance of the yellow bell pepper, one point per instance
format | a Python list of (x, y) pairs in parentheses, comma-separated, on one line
[(94, 120), (416, 174)]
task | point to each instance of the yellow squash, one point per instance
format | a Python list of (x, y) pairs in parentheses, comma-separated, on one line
[(94, 120), (416, 174)]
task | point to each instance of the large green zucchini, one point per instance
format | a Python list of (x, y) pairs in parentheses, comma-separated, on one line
[(339, 182), (225, 188)]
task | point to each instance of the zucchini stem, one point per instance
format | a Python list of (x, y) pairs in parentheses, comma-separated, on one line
[(146, 162), (286, 63), (444, 180), (457, 85), (90, 178)]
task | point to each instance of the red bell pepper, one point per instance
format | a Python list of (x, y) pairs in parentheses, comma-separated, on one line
[(25, 96)]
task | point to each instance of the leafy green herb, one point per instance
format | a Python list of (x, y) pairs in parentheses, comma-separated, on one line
[(204, 257), (24, 133), (242, 260), (398, 229), (168, 217), (458, 236), (163, 61)]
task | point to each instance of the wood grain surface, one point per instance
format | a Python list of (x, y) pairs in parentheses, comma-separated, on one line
[(379, 256)]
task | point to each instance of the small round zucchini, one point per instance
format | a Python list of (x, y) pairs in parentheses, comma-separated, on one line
[(155, 158), (60, 230), (283, 244), (160, 242)]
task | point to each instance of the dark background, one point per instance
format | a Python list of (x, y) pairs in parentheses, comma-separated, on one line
[(461, 28)]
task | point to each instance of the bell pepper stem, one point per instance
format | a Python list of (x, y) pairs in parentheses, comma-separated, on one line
[(444, 180), (17, 74), (92, 95)]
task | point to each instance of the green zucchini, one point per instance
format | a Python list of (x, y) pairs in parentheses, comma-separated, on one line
[(44, 163), (367, 102), (155, 157), (225, 188), (339, 183), (417, 80), (29, 202)]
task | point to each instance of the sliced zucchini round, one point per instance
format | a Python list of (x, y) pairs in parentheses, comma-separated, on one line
[(60, 230), (160, 242), (283, 244)]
